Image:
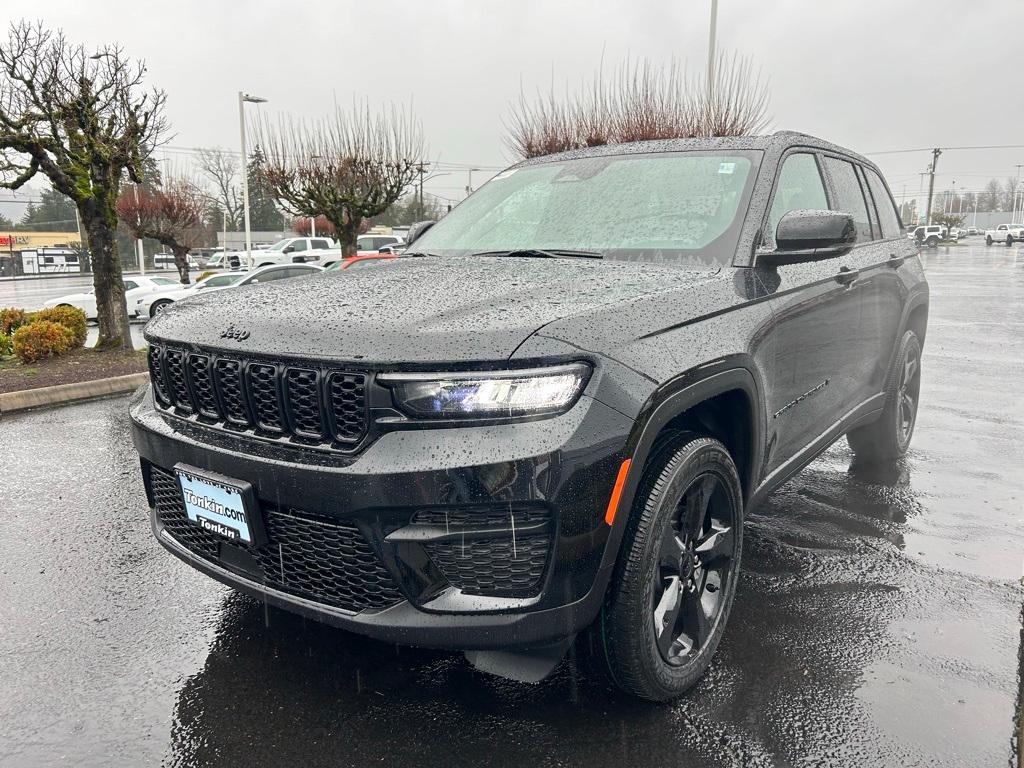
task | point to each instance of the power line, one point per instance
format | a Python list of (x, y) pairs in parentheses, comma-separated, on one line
[(929, 149)]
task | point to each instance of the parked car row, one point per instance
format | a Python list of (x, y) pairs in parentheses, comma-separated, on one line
[(136, 289)]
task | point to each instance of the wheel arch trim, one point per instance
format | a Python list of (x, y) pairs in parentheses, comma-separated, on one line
[(670, 400)]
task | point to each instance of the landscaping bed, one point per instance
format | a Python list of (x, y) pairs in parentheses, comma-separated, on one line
[(75, 366)]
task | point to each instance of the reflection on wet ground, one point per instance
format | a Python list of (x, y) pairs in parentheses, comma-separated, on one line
[(877, 621)]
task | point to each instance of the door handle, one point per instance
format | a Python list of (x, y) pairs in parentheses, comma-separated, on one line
[(895, 261), (845, 276)]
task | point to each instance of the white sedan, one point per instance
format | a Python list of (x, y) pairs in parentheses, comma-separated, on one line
[(155, 303), (135, 288)]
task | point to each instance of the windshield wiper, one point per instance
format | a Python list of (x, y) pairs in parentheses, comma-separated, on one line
[(416, 253), (543, 253)]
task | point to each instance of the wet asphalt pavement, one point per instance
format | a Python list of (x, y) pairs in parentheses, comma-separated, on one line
[(877, 620)]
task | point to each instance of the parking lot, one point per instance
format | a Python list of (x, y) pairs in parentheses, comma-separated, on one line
[(877, 620)]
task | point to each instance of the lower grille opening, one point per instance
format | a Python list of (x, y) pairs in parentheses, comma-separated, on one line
[(326, 561), (490, 551)]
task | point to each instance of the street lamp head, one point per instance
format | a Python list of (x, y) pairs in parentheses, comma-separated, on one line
[(253, 99)]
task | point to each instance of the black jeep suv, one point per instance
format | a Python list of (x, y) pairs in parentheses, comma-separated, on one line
[(549, 415)]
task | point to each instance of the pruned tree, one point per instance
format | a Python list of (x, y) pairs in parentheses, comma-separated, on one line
[(347, 168), (83, 121), (948, 220), (642, 101), (172, 215), (221, 169), (301, 226)]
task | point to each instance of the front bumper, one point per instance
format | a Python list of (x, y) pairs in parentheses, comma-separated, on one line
[(554, 476)]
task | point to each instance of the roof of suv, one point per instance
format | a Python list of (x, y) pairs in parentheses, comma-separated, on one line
[(778, 141)]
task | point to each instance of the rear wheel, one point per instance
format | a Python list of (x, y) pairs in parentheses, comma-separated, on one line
[(675, 581), (988, 239), (889, 436), (932, 241), (1009, 240), (159, 306)]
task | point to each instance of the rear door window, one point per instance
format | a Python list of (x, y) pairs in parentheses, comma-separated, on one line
[(799, 188), (884, 204), (849, 195)]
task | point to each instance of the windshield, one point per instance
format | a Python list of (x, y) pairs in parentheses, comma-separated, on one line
[(676, 205), (280, 245)]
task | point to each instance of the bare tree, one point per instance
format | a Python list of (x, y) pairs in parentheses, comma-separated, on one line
[(221, 167), (642, 101), (172, 215), (346, 168), (83, 121)]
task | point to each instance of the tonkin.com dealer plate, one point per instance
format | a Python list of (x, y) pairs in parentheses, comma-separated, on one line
[(220, 504)]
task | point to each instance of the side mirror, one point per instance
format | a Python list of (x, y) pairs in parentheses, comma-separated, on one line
[(807, 235), (416, 230), (289, 248)]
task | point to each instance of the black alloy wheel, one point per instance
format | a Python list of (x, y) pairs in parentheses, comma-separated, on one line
[(907, 394), (888, 437), (675, 579), (694, 568)]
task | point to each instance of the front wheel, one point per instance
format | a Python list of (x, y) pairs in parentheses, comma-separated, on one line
[(158, 307), (932, 241), (1009, 240), (988, 239), (889, 436), (674, 584)]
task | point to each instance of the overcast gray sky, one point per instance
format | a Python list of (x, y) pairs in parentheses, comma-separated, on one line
[(873, 75)]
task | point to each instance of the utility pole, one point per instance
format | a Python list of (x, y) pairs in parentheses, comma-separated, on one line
[(421, 168), (711, 48), (931, 184)]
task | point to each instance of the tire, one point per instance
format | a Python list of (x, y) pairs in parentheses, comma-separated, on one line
[(932, 241), (889, 436), (1009, 240), (988, 239), (666, 609), (159, 306)]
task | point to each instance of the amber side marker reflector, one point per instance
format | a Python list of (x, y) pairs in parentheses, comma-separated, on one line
[(613, 502)]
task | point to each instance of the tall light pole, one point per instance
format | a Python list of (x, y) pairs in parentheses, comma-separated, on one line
[(469, 183), (242, 98), (711, 48)]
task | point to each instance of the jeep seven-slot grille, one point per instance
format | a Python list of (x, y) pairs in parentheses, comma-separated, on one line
[(329, 562), (311, 405)]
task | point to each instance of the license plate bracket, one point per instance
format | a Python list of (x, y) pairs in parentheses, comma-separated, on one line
[(221, 505)]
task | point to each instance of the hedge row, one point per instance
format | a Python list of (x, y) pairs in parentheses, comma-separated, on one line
[(32, 336)]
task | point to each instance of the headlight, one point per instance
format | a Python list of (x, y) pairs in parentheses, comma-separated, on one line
[(487, 394)]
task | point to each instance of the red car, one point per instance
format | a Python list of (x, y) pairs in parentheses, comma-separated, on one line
[(359, 260)]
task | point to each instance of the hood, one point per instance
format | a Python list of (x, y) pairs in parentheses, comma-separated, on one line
[(66, 298), (421, 310)]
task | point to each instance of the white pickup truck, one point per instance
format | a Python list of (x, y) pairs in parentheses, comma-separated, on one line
[(319, 250), (1005, 233), (287, 251)]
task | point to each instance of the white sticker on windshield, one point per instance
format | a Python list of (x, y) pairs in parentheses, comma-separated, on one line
[(505, 174), (726, 167)]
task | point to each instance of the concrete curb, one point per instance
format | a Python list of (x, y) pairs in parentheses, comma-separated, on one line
[(10, 402)]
